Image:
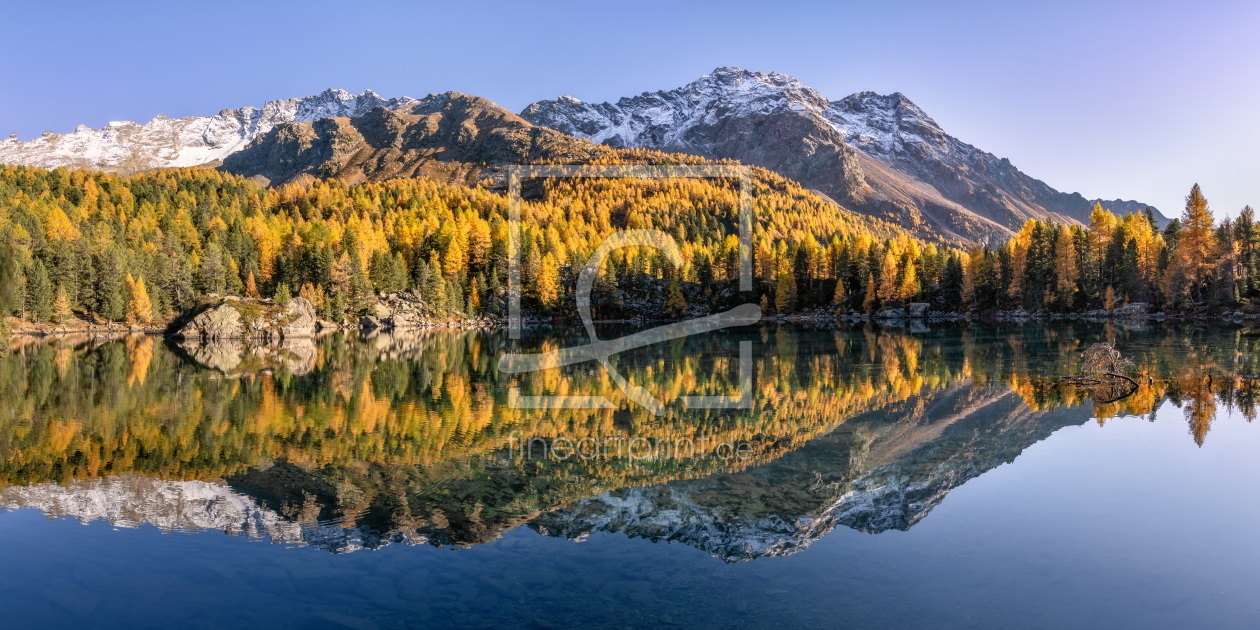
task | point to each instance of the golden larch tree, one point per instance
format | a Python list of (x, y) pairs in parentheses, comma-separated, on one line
[(139, 307)]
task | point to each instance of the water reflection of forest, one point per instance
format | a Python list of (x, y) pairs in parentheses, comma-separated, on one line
[(354, 441)]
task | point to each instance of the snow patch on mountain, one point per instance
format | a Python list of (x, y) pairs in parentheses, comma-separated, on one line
[(879, 125), (190, 141)]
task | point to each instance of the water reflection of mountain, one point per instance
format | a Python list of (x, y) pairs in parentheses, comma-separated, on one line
[(880, 471), (400, 439), (129, 501)]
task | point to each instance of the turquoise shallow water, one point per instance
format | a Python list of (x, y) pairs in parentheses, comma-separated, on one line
[(1003, 516)]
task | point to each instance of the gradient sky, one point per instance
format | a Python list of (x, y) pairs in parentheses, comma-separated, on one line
[(1131, 100)]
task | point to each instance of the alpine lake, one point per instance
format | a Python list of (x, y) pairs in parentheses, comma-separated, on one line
[(925, 475)]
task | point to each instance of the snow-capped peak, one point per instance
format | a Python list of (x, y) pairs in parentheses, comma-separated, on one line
[(880, 125), (662, 119), (190, 141)]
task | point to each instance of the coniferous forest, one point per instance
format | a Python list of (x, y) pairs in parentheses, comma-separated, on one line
[(144, 248)]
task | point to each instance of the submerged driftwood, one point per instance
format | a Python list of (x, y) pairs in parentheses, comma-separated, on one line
[(1106, 368)]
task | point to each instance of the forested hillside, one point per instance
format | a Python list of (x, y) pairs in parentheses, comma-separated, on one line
[(143, 248)]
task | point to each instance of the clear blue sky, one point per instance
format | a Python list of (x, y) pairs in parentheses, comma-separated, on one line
[(1133, 100)]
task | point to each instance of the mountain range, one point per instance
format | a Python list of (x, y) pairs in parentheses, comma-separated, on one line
[(449, 136), (880, 155), (126, 146)]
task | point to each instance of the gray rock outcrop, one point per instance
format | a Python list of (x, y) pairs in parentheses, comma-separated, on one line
[(1131, 310), (397, 311), (238, 318)]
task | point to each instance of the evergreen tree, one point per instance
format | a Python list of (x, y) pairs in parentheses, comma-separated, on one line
[(336, 308), (1245, 235), (675, 303), (111, 289), (493, 302), (388, 273), (39, 292), (952, 283), (356, 286), (1065, 269), (455, 298), (433, 289), (282, 295), (211, 276)]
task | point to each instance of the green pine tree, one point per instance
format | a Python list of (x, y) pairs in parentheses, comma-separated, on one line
[(39, 292)]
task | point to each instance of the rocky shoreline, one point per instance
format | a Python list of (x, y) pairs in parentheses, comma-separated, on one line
[(234, 318)]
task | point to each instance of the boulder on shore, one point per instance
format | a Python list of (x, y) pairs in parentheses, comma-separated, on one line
[(1131, 310), (243, 318), (400, 311)]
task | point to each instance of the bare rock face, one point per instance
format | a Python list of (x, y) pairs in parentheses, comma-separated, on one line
[(452, 137), (1131, 310), (238, 318), (398, 311), (303, 319), (918, 309), (217, 322)]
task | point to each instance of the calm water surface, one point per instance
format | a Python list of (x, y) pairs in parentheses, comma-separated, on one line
[(884, 477)]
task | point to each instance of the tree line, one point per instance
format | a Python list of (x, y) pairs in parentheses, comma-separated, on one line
[(147, 247)]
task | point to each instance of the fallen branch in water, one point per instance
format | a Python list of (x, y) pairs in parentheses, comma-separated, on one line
[(1106, 366), (1113, 374), (1108, 401)]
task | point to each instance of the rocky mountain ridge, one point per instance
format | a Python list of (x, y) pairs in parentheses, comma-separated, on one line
[(127, 146), (879, 154), (451, 137)]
